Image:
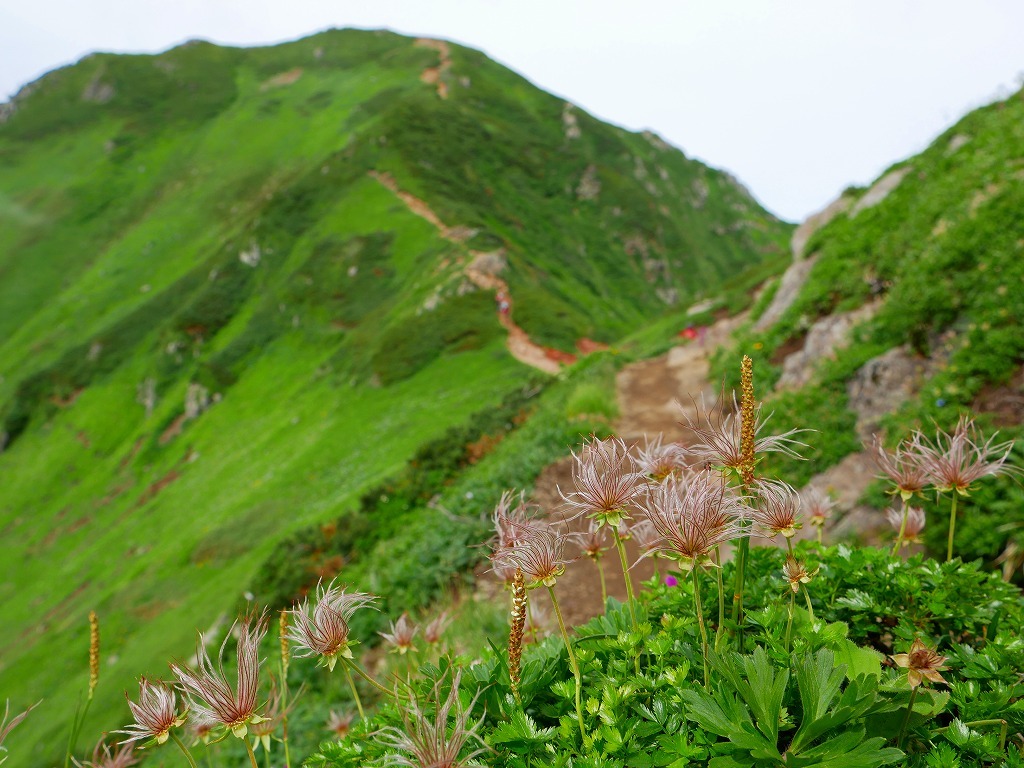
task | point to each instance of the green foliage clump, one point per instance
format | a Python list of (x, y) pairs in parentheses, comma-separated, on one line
[(460, 323), (831, 699)]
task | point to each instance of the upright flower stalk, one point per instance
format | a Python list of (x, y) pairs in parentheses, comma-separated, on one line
[(692, 516), (732, 442), (282, 638), (322, 630), (592, 543), (607, 482), (746, 470), (94, 678), (538, 555), (517, 626), (922, 663)]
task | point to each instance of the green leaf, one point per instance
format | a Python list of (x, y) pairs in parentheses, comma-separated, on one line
[(869, 754), (520, 731), (859, 660)]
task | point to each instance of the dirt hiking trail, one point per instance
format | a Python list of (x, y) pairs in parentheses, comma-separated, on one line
[(483, 271)]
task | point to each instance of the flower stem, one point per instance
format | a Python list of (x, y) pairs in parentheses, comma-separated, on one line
[(789, 622), (359, 671), (819, 535), (76, 727), (903, 529), (952, 527), (183, 748), (572, 663), (252, 755), (721, 598), (625, 574), (355, 693), (810, 608), (906, 718), (604, 585), (700, 622), (284, 710), (737, 596)]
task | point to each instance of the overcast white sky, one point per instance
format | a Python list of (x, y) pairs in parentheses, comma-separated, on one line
[(798, 98)]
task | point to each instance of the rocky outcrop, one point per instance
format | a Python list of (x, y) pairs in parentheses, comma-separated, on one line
[(827, 335), (880, 190), (789, 286), (883, 384), (816, 221)]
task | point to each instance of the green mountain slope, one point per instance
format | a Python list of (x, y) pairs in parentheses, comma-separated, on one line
[(927, 266), (240, 287)]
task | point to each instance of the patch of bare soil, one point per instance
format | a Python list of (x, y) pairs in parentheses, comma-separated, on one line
[(437, 76), (1005, 402)]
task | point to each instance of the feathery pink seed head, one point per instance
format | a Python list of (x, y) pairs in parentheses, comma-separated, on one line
[(431, 741), (953, 463), (402, 635), (593, 542), (105, 755), (211, 695), (776, 508), (607, 483), (659, 460), (434, 631), (818, 505), (155, 713), (339, 723), (692, 516), (905, 467), (538, 554), (914, 526), (322, 629), (719, 435)]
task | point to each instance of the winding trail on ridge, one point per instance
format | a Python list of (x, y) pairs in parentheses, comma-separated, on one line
[(483, 272)]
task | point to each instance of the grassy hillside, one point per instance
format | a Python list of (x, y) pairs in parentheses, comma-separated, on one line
[(941, 259), (218, 327)]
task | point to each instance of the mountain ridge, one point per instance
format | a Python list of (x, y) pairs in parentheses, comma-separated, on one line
[(220, 328)]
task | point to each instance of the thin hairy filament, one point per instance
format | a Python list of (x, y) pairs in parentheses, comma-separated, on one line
[(721, 597), (952, 527), (703, 629), (252, 755), (906, 718), (572, 663), (183, 748), (355, 693), (903, 529)]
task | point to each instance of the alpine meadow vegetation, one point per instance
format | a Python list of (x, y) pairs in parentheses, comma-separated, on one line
[(259, 378), (887, 659)]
